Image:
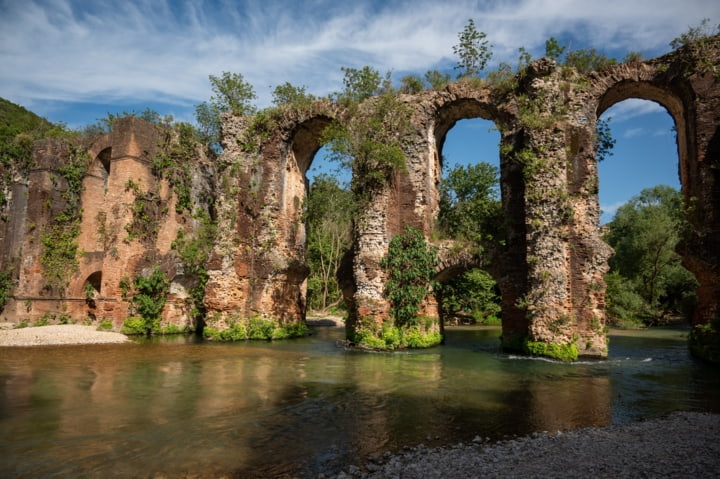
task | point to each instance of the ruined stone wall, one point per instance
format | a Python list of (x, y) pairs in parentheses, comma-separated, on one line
[(112, 246), (549, 270)]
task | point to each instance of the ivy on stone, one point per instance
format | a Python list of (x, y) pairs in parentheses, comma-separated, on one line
[(411, 264)]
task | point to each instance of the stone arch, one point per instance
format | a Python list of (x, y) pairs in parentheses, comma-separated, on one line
[(673, 104), (688, 99), (306, 140), (455, 260), (508, 265)]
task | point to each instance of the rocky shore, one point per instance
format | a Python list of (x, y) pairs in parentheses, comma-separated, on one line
[(684, 444), (58, 334)]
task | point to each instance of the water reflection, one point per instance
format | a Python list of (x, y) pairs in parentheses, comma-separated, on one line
[(306, 406)]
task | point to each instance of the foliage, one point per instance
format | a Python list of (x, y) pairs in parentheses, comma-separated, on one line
[(588, 60), (255, 328), (194, 252), (410, 263), (289, 94), (6, 284), (371, 142), (328, 218), (18, 129), (389, 336), (174, 161), (470, 207), (604, 140), (436, 79), (361, 84), (473, 292), (704, 341), (697, 44), (649, 281), (231, 94), (149, 295), (563, 352), (472, 50), (146, 208), (411, 84), (59, 240), (553, 49), (105, 125)]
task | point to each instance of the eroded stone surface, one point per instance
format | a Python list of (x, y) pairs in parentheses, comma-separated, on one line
[(550, 271)]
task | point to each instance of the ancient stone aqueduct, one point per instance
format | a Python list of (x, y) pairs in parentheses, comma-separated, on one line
[(550, 272)]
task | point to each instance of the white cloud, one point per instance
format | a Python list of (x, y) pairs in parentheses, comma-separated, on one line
[(632, 108), (143, 50), (633, 132)]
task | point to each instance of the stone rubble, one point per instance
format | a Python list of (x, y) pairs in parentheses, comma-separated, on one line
[(684, 444)]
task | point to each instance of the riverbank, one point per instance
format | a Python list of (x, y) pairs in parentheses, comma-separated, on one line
[(53, 335), (684, 444)]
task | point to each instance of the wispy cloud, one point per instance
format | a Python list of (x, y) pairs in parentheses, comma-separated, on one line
[(79, 51), (607, 211), (632, 108)]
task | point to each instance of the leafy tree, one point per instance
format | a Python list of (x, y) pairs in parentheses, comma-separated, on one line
[(632, 57), (553, 49), (328, 218), (470, 210), (437, 80), (361, 84), (604, 140), (469, 203), (289, 94), (588, 60), (697, 44), (149, 295), (370, 143), (644, 234), (473, 293), (19, 128), (411, 84), (473, 51), (410, 263), (696, 35), (232, 94)]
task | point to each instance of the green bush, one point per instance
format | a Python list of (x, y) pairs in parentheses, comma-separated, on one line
[(133, 325), (105, 326)]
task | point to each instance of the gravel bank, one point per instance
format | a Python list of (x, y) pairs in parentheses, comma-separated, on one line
[(58, 334), (681, 445)]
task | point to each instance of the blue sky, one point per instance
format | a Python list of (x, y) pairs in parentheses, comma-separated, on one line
[(76, 61)]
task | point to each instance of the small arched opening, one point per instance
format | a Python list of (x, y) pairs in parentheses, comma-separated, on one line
[(104, 158), (93, 284)]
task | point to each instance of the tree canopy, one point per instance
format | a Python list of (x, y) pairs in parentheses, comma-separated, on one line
[(647, 281)]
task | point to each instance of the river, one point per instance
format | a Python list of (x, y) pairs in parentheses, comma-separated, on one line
[(182, 407)]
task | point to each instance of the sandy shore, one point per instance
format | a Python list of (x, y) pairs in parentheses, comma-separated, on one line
[(58, 334)]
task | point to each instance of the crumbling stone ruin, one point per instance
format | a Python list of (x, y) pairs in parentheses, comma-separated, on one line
[(550, 270)]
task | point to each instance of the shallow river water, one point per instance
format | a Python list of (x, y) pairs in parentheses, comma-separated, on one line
[(301, 407)]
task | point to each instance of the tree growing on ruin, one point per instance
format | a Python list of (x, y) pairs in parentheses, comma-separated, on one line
[(473, 51), (231, 94)]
